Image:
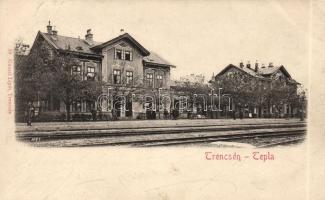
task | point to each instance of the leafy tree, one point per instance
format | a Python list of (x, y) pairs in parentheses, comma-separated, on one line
[(242, 88), (44, 72), (257, 91), (194, 91)]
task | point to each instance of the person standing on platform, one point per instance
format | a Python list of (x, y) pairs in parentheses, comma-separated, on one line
[(29, 113)]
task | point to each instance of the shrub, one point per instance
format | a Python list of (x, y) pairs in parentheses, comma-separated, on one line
[(44, 117)]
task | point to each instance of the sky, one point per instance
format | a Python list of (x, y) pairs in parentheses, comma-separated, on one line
[(200, 37)]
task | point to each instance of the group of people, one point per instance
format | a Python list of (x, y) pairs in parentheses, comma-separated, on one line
[(150, 114), (174, 114)]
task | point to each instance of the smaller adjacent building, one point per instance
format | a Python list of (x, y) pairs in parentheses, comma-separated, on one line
[(258, 91)]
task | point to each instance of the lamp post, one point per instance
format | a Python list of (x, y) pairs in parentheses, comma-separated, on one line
[(211, 100), (227, 95), (219, 98), (159, 89), (194, 102)]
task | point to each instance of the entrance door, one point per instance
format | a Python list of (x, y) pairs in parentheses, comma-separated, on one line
[(128, 106), (117, 106)]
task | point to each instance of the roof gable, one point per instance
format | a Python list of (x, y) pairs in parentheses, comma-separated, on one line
[(41, 35), (127, 37), (246, 70), (264, 72), (285, 72), (268, 71)]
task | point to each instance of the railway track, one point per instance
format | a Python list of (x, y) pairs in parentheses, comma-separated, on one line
[(231, 138), (182, 137), (141, 131), (209, 139)]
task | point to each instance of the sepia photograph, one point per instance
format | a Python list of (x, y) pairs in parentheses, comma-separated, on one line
[(162, 99), (72, 90)]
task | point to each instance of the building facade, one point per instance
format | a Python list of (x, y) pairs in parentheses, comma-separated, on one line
[(134, 79)]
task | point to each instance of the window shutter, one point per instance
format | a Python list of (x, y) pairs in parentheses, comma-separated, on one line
[(114, 53), (131, 57)]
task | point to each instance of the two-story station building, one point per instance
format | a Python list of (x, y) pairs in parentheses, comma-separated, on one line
[(133, 76)]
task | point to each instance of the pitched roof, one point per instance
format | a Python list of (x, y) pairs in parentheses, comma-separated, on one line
[(126, 36), (246, 70), (250, 71), (268, 70), (82, 46), (262, 72), (70, 43), (155, 59)]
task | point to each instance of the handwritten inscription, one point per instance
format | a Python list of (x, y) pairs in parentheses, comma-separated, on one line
[(256, 155)]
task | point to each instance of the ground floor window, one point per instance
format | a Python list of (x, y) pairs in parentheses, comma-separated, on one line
[(76, 106), (90, 105), (117, 76)]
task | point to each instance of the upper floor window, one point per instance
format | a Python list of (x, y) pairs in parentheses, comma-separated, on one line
[(118, 54), (116, 76), (128, 55), (230, 74), (90, 73), (129, 77), (76, 70), (123, 54), (159, 81), (51, 54), (150, 79)]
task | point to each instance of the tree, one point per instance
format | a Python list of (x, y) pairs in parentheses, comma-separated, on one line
[(194, 92), (258, 92), (241, 88), (45, 72)]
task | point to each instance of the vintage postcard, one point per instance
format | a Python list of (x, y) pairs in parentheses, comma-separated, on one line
[(162, 99)]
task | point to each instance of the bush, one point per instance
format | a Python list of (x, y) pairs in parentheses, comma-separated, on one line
[(86, 117), (44, 117), (81, 117), (103, 116), (60, 117)]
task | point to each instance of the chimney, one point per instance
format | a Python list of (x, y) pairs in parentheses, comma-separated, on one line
[(263, 65), (121, 31), (89, 37), (49, 28), (248, 65), (256, 66), (241, 64), (270, 64)]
